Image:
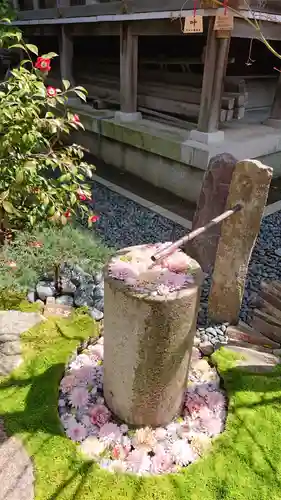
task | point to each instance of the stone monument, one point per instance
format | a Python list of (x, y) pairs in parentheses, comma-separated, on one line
[(211, 203), (148, 341), (249, 187)]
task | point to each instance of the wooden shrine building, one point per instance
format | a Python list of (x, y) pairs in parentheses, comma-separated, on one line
[(163, 99)]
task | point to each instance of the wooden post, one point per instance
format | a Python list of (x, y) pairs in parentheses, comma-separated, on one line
[(216, 58), (208, 78), (128, 69), (275, 113), (66, 54), (220, 70), (15, 4), (36, 4)]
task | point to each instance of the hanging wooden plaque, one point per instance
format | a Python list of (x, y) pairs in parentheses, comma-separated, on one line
[(193, 24), (224, 22)]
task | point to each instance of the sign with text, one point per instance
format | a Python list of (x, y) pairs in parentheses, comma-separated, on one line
[(224, 22), (193, 24), (57, 310)]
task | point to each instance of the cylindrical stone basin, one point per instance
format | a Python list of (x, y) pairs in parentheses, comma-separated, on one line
[(148, 343)]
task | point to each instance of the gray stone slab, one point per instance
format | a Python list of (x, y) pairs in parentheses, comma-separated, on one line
[(12, 325), (17, 322), (254, 360), (16, 471)]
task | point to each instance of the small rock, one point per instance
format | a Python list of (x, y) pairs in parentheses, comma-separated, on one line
[(65, 300), (206, 348), (84, 296), (40, 303), (98, 278), (277, 352), (31, 296), (204, 337), (211, 331), (278, 252), (99, 304), (45, 289), (96, 314), (67, 286), (98, 293)]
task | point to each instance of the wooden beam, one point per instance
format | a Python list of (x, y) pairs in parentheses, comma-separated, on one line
[(208, 78), (66, 54), (128, 69), (275, 112)]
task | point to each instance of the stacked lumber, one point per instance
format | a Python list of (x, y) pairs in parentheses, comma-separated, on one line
[(267, 315), (167, 88), (181, 100)]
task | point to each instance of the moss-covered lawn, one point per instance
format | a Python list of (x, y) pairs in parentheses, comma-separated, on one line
[(244, 464)]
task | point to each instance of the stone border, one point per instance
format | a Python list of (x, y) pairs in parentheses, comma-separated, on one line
[(177, 219)]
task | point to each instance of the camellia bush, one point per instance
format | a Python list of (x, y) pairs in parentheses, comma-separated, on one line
[(41, 177)]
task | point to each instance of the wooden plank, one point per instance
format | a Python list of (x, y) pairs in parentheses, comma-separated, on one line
[(128, 69), (268, 308), (271, 331), (208, 78)]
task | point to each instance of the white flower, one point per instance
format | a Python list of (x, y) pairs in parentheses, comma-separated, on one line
[(92, 447), (144, 439), (160, 434), (182, 453), (138, 462)]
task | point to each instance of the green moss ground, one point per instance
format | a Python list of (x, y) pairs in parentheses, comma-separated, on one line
[(244, 464)]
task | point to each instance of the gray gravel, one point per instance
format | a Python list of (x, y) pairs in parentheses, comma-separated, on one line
[(124, 223)]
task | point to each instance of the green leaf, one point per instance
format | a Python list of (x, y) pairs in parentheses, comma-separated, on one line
[(51, 211), (66, 84), (72, 198), (82, 89), (31, 219), (81, 95), (50, 55), (18, 46), (19, 177), (32, 48), (8, 207), (63, 220), (30, 164)]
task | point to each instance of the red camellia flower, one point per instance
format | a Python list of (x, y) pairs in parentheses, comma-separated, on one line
[(76, 119), (43, 63), (93, 218), (35, 244), (51, 92), (67, 213), (83, 196)]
